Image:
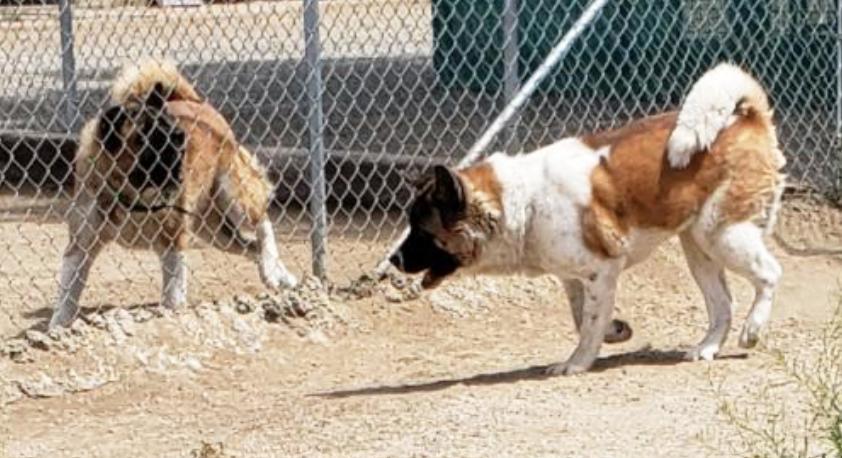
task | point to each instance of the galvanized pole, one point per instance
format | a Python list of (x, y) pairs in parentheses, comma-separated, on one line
[(839, 70), (511, 76), (839, 91), (556, 54), (318, 210), (68, 66)]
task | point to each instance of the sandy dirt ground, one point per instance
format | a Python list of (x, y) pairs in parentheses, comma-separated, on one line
[(370, 370)]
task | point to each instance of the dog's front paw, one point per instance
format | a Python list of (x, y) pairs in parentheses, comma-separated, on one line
[(703, 352), (750, 336), (277, 277), (289, 281), (618, 332), (172, 303), (566, 368)]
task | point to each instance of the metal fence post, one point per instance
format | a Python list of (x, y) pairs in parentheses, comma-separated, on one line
[(839, 70), (838, 101), (318, 211), (511, 76), (554, 57), (68, 65)]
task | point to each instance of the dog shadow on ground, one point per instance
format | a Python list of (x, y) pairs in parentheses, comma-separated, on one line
[(642, 357)]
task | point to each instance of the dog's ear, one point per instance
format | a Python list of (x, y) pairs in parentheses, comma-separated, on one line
[(111, 128), (448, 192)]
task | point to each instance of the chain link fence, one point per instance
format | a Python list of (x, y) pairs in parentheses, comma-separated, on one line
[(339, 98)]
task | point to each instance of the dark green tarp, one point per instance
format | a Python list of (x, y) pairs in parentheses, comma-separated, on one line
[(640, 51)]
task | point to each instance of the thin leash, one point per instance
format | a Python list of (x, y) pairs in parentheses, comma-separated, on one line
[(136, 207)]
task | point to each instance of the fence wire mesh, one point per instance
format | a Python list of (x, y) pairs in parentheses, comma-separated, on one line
[(402, 84)]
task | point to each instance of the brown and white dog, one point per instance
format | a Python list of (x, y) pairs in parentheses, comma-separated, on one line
[(584, 209), (156, 167)]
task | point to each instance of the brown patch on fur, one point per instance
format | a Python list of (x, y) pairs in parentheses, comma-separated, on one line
[(483, 185), (638, 127), (755, 154), (635, 187), (213, 151), (483, 206), (603, 231)]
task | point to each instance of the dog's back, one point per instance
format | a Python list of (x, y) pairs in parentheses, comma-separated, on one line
[(650, 180)]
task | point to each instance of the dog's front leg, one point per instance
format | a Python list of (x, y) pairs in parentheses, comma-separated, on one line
[(272, 271), (710, 276), (599, 291), (619, 331)]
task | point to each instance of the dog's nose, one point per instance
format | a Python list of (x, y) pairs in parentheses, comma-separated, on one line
[(397, 260)]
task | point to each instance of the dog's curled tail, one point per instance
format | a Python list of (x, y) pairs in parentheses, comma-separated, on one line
[(136, 81), (718, 99)]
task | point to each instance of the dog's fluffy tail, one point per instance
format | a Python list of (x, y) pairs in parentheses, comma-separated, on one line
[(719, 98), (136, 81)]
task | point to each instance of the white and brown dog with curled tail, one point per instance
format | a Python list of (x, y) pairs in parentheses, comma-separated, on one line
[(155, 168), (584, 209)]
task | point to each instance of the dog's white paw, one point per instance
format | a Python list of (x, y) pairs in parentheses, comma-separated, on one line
[(750, 336), (173, 302), (289, 281), (566, 368), (703, 352), (277, 277)]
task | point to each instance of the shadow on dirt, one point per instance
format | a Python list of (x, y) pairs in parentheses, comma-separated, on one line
[(643, 357)]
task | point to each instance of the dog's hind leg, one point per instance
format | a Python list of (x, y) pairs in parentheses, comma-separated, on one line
[(174, 277), (740, 247), (598, 305), (710, 276), (619, 331), (88, 234), (75, 265)]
